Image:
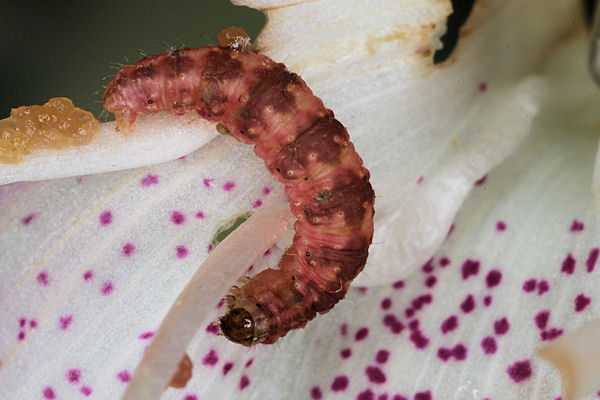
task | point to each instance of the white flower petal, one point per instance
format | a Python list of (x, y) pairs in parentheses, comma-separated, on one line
[(157, 138)]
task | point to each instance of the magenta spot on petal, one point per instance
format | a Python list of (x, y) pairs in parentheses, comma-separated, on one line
[(386, 303), (212, 329), (468, 304), (413, 325), (43, 278), (48, 393), (541, 319), (481, 180), (543, 287), (529, 285), (27, 219), (128, 249), (33, 323), (228, 186), (346, 353), (581, 302), (181, 252), (551, 334), (590, 263), (459, 352), (444, 354), (469, 268), (200, 215), (519, 371), (449, 324), (482, 87), (257, 203), (339, 383), (399, 397), (85, 390), (124, 376), (249, 363), (146, 335), (177, 217), (344, 329), (211, 358), (493, 278), (487, 300), (501, 226), (430, 281), (73, 376), (489, 346), (105, 218), (206, 182), (398, 285), (107, 288), (22, 322), (577, 226), (393, 323), (420, 180), (21, 336), (423, 395), (190, 397), (419, 340), (444, 262), (65, 321), (366, 395), (361, 334), (244, 382), (88, 275), (149, 180), (227, 367), (315, 393), (375, 374), (450, 230), (501, 326), (427, 268), (382, 356), (568, 265), (266, 190)]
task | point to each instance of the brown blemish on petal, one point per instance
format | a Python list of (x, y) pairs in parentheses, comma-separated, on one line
[(55, 125), (183, 374)]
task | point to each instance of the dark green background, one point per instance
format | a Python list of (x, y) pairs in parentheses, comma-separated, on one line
[(66, 48)]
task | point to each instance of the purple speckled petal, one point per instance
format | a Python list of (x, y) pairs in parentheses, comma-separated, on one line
[(90, 266)]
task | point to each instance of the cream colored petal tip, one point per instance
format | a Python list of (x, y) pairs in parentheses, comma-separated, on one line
[(157, 138), (577, 357)]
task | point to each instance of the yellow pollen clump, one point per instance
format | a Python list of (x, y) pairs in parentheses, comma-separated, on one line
[(55, 125)]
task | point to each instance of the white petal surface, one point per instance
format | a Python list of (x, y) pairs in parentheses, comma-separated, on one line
[(157, 138)]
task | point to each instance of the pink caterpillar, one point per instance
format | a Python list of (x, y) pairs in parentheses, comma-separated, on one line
[(258, 101)]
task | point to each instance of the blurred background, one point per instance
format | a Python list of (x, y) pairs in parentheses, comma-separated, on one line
[(72, 48)]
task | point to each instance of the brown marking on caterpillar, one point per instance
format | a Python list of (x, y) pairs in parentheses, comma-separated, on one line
[(55, 125), (260, 102)]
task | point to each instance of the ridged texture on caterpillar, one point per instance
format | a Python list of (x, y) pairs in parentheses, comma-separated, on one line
[(260, 102)]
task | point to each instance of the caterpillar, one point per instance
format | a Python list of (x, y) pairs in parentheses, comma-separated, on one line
[(260, 102)]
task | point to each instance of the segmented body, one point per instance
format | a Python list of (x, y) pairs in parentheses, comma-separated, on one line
[(261, 103)]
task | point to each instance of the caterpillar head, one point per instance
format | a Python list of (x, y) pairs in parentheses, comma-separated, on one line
[(239, 327)]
